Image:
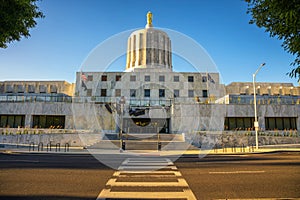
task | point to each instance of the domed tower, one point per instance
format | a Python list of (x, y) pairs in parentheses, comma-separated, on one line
[(149, 48)]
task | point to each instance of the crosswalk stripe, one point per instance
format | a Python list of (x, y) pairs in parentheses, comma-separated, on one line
[(180, 183), (147, 195), (164, 172)]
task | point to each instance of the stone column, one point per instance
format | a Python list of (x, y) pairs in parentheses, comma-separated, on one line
[(28, 120)]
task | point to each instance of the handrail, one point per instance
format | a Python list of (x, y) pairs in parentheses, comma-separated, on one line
[(57, 147), (31, 145), (67, 147), (40, 146)]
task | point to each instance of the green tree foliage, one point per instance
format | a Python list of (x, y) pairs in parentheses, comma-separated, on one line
[(281, 18), (16, 18)]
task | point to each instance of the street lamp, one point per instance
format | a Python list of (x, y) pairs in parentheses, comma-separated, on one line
[(256, 126), (121, 102)]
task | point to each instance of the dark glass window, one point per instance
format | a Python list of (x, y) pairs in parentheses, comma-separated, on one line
[(132, 93), (118, 92), (90, 78), (176, 93), (161, 78), (89, 92), (49, 121), (176, 78), (104, 78), (147, 93), (132, 78), (103, 92), (12, 121), (190, 78), (191, 93), (204, 93), (204, 79), (118, 77), (239, 123), (147, 78), (281, 123), (161, 93)]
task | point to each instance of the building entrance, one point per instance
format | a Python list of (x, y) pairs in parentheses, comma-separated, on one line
[(145, 125)]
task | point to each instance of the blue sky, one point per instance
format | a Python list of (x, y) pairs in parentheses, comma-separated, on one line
[(72, 28)]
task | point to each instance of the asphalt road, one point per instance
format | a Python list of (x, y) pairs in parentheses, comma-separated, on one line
[(75, 176), (271, 175)]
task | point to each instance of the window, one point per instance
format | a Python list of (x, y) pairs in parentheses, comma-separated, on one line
[(90, 78), (280, 91), (48, 121), (247, 90), (89, 92), (176, 93), (258, 90), (204, 93), (31, 88), (132, 93), (269, 90), (204, 79), (161, 78), (118, 77), (147, 78), (190, 79), (53, 89), (104, 78), (239, 123), (176, 78), (132, 78), (21, 88), (281, 123), (12, 121), (118, 92), (161, 93), (9, 89), (42, 89), (191, 93), (103, 92), (147, 93)]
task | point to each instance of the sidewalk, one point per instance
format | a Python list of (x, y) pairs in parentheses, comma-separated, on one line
[(12, 148)]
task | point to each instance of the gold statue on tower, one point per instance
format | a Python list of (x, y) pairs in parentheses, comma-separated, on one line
[(149, 19)]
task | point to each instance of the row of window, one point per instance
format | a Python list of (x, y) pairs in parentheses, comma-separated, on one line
[(231, 123), (12, 121), (271, 123), (39, 121), (147, 78), (48, 121), (30, 89), (267, 92), (147, 93)]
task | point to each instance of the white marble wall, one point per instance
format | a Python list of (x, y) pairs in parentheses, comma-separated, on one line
[(183, 117), (215, 89)]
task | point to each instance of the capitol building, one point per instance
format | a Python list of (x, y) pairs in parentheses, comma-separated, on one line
[(148, 97)]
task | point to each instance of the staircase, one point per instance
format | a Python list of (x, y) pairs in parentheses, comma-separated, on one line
[(168, 142)]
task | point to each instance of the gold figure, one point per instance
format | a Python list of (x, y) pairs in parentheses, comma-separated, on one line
[(149, 18)]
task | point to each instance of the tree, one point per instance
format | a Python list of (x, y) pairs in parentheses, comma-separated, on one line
[(281, 18), (16, 18)]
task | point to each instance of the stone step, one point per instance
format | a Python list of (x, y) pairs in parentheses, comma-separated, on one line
[(142, 145), (143, 136)]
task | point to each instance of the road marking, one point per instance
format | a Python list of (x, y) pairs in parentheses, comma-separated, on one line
[(180, 183), (107, 193), (228, 155), (282, 198), (147, 167), (238, 172), (119, 173), (29, 161), (165, 175)]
